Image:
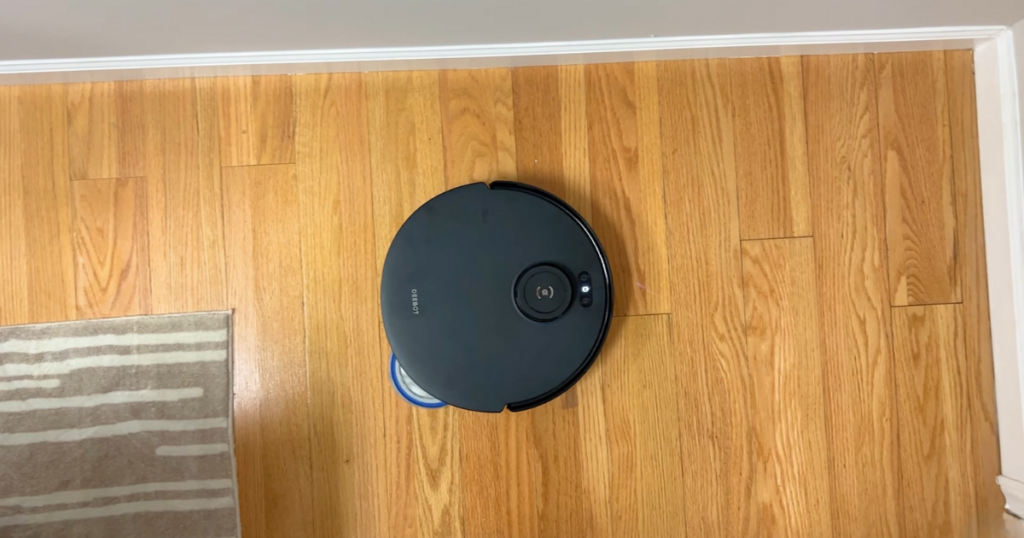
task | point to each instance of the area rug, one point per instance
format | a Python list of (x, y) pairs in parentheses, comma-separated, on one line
[(118, 428)]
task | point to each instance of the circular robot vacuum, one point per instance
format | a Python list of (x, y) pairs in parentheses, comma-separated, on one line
[(494, 296)]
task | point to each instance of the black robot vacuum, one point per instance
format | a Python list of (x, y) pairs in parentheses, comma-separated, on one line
[(494, 296)]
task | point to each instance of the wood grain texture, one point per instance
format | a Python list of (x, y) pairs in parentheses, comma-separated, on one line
[(643, 429), (568, 436), (479, 130), (325, 447), (346, 364), (498, 475), (935, 422), (551, 132), (853, 308), (262, 228), (438, 471), (403, 489), (771, 147), (405, 148), (791, 482), (423, 469), (36, 252), (47, 209), (257, 124), (497, 465), (587, 399), (111, 248), (703, 231), (106, 130), (407, 162), (568, 492), (250, 459), (626, 183), (183, 196), (13, 289), (974, 284), (921, 222)]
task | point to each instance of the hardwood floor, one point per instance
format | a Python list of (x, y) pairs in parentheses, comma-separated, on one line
[(854, 315), (802, 347)]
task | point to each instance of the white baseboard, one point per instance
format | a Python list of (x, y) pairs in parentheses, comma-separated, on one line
[(1013, 490), (1002, 178), (479, 56)]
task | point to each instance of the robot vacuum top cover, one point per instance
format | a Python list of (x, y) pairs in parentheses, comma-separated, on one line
[(496, 296)]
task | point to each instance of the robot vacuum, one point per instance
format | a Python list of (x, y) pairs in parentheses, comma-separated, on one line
[(494, 296)]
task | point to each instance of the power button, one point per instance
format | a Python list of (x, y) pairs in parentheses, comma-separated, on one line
[(543, 293)]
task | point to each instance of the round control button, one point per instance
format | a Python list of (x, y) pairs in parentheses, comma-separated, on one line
[(543, 293)]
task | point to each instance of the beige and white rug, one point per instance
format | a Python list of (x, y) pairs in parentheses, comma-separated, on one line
[(118, 428)]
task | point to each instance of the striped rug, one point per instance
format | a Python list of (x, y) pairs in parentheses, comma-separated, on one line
[(116, 428)]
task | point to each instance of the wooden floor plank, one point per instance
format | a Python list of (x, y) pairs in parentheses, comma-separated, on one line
[(263, 256), (401, 467), (551, 132), (974, 285), (438, 470), (587, 399), (568, 493), (792, 486), (250, 458), (423, 450), (405, 148), (257, 124), (703, 231), (106, 129), (47, 211), (643, 428), (628, 199), (407, 162), (853, 307), (771, 147), (111, 248), (346, 365), (235, 121), (14, 287), (935, 422), (496, 465), (479, 130), (36, 240), (517, 463), (497, 475), (920, 210), (183, 195), (569, 443)]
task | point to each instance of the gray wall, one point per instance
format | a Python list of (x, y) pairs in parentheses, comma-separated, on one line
[(35, 29)]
